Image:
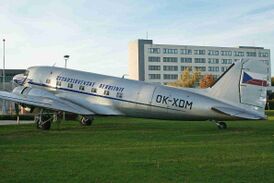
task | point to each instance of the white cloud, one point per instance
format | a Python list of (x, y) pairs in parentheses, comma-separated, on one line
[(96, 33)]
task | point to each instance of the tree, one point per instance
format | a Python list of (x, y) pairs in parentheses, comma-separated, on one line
[(272, 81), (186, 79), (207, 81)]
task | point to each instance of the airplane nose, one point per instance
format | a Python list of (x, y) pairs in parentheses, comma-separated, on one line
[(18, 79)]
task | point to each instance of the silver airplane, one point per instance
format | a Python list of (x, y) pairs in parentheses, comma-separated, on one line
[(240, 93)]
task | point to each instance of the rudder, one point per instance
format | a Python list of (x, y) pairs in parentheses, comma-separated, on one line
[(244, 84)]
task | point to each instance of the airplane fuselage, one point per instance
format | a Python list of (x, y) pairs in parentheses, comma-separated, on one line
[(117, 96)]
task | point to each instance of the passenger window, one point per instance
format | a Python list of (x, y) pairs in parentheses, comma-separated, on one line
[(70, 85), (48, 81), (106, 92), (93, 90), (82, 88), (58, 83), (119, 95)]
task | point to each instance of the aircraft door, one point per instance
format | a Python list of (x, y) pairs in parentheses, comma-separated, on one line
[(161, 101)]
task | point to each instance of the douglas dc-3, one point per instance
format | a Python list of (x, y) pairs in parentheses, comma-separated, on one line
[(240, 93)]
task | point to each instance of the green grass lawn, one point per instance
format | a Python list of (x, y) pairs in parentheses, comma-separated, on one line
[(119, 149)]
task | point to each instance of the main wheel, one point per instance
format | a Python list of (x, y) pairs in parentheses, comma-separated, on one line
[(44, 121), (221, 125), (86, 121)]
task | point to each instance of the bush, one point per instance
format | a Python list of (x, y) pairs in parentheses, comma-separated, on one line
[(269, 112), (14, 117), (270, 105)]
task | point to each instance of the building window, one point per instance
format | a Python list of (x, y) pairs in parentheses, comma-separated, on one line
[(213, 52), (154, 59), (201, 69), (170, 59), (93, 90), (119, 95), (186, 51), (239, 53), (223, 69), (213, 69), (186, 60), (226, 53), (48, 81), (70, 85), (251, 54), (213, 61), (215, 77), (154, 67), (154, 50), (263, 54), (82, 88), (199, 52), (226, 61), (170, 76), (170, 51), (186, 67), (199, 60), (58, 83), (170, 68), (154, 76), (266, 62), (106, 92)]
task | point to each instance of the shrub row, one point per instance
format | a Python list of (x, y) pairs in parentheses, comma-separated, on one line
[(31, 117), (14, 117)]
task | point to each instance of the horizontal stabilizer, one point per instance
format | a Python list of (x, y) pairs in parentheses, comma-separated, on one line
[(44, 102), (237, 112)]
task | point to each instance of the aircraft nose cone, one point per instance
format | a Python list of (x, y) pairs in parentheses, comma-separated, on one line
[(18, 79)]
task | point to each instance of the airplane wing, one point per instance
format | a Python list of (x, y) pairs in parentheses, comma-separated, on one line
[(45, 102), (237, 112)]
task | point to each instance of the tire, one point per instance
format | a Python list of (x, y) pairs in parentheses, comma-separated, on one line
[(45, 122), (222, 125), (86, 121), (46, 125)]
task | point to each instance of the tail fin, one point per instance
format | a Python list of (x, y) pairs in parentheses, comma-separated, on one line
[(243, 84)]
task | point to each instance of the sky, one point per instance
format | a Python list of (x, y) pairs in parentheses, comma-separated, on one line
[(96, 33)]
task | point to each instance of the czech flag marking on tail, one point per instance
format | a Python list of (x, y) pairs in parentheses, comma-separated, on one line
[(254, 78)]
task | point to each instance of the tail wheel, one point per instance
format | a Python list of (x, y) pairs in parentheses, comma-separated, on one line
[(85, 121)]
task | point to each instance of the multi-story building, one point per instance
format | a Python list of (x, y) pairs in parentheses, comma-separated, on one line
[(162, 63), (9, 74)]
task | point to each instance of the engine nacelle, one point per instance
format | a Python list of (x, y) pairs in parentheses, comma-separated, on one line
[(36, 92)]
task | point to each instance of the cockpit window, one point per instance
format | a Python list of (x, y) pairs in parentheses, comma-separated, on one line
[(26, 73)]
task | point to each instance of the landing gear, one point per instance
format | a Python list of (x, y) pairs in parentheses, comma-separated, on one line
[(86, 121), (43, 120), (221, 125)]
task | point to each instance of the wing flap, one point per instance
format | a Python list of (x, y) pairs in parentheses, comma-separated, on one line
[(237, 112), (56, 104)]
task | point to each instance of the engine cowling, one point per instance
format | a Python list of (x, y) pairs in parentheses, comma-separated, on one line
[(28, 91)]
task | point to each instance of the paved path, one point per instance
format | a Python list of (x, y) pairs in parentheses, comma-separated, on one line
[(14, 122)]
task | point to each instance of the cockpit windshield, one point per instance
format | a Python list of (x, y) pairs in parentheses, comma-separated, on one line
[(26, 73)]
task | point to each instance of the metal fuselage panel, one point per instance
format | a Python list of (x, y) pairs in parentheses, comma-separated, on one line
[(117, 96)]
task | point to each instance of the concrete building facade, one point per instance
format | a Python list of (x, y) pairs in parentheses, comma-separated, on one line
[(9, 74), (162, 63)]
